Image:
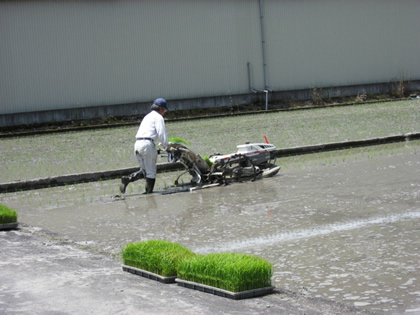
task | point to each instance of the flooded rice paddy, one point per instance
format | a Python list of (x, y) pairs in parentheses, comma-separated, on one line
[(341, 225), (107, 149)]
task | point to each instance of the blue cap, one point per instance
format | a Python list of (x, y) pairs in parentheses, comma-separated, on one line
[(161, 102)]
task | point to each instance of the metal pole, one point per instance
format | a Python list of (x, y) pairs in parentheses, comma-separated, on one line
[(266, 99), (249, 77), (263, 45)]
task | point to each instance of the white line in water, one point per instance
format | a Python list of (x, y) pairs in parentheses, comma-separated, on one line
[(301, 234)]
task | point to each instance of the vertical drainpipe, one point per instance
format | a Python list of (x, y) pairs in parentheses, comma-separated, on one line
[(263, 45), (266, 90)]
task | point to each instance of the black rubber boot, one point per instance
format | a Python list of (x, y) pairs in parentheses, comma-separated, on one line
[(125, 180), (150, 184)]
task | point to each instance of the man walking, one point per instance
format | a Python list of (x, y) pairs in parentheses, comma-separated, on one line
[(152, 128)]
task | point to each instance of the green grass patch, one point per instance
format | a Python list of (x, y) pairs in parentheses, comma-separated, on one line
[(177, 139), (157, 256), (7, 215), (229, 271)]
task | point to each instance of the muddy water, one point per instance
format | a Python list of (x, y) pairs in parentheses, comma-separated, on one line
[(344, 227), (43, 156)]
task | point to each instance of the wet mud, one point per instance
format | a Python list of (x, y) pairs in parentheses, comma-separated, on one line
[(343, 226), (41, 156)]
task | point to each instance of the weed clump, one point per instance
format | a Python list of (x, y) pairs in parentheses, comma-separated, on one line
[(361, 97), (7, 215), (400, 89), (228, 271), (158, 256), (317, 95)]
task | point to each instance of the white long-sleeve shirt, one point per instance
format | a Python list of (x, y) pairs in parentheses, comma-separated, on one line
[(153, 126)]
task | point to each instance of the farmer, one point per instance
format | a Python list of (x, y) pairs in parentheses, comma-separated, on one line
[(152, 128)]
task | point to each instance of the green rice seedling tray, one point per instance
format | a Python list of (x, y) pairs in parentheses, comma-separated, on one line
[(224, 293), (148, 274), (8, 226)]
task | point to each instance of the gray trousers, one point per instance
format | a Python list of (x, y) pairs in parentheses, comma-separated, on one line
[(146, 155)]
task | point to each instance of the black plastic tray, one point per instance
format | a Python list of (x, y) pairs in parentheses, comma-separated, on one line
[(8, 226), (148, 274), (224, 293)]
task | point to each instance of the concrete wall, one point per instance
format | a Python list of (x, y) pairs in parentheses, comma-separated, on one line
[(74, 59)]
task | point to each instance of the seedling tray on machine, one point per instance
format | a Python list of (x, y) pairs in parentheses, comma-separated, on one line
[(8, 226), (148, 274), (224, 293)]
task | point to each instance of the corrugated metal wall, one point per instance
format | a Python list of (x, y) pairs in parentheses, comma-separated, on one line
[(341, 42), (78, 53), (61, 54)]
